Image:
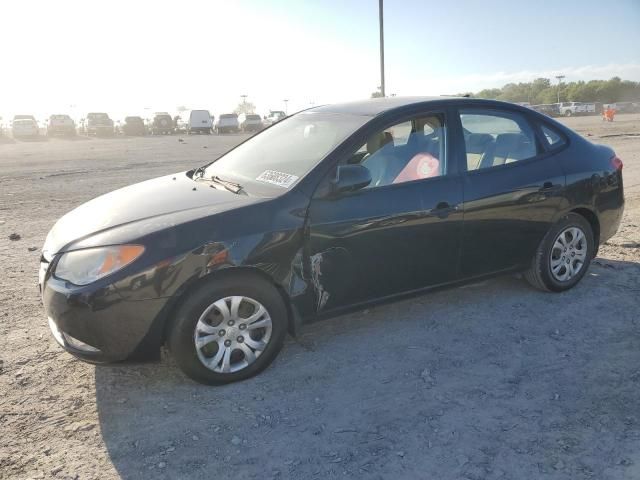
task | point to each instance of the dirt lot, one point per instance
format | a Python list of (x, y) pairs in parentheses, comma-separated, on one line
[(489, 381)]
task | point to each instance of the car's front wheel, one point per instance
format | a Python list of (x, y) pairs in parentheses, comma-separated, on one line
[(228, 329), (564, 255)]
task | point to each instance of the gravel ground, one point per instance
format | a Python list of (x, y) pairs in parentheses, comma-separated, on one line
[(489, 381)]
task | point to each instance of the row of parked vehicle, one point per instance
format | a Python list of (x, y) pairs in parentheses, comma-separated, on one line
[(162, 123), (570, 109)]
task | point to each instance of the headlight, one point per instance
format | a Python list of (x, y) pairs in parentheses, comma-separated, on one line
[(81, 267)]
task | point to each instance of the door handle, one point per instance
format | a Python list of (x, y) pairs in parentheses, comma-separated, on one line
[(549, 187), (443, 209)]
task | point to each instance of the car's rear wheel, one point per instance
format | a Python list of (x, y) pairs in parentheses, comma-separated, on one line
[(564, 255), (228, 329)]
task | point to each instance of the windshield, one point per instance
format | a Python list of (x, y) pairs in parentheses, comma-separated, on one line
[(277, 158)]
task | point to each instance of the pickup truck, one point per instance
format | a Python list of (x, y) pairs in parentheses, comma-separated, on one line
[(569, 109), (99, 124)]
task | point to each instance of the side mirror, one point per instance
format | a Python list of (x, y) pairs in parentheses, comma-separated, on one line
[(350, 178)]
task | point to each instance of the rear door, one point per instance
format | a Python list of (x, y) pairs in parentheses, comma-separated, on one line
[(402, 232), (512, 186)]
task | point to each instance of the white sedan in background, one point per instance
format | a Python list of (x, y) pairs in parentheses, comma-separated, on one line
[(25, 127)]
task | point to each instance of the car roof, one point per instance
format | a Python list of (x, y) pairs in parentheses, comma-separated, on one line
[(375, 106)]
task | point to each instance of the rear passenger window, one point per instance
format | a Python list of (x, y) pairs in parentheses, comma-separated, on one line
[(496, 138), (553, 138)]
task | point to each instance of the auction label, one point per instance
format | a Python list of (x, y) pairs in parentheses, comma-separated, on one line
[(280, 179)]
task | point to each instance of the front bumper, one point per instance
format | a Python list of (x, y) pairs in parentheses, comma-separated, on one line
[(97, 324)]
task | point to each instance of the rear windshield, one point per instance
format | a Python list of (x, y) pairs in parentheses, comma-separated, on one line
[(98, 116), (60, 117), (253, 117), (228, 115), (133, 120)]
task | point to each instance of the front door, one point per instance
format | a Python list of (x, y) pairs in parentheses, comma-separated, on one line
[(402, 232)]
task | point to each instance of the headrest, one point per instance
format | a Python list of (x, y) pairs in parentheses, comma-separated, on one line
[(376, 142), (478, 141)]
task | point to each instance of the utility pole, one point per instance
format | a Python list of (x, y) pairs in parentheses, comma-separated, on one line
[(559, 77), (244, 98), (381, 18), (286, 106)]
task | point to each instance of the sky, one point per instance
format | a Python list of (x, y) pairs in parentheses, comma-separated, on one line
[(136, 57)]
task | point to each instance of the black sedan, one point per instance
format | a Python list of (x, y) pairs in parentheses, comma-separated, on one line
[(134, 126), (332, 209)]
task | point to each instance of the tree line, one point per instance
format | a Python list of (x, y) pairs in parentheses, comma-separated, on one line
[(542, 91)]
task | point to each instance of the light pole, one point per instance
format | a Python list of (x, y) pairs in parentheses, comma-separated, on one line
[(286, 108), (244, 98), (381, 19), (559, 77)]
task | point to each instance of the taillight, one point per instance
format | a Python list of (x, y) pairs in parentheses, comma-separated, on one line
[(616, 162)]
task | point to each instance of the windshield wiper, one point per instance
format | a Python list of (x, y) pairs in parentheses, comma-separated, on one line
[(229, 185), (198, 172)]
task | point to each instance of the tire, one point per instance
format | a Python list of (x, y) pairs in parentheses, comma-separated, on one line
[(567, 113), (549, 257), (188, 325)]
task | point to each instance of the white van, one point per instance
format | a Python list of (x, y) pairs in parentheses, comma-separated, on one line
[(200, 121)]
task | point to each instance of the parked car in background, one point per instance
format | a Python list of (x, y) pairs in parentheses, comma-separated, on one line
[(274, 117), (200, 121), (61, 125), (569, 109), (133, 126), (549, 109), (25, 127), (227, 123), (250, 122), (162, 124), (332, 209), (98, 124), (626, 107)]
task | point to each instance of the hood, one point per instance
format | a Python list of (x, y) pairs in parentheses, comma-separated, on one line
[(147, 206)]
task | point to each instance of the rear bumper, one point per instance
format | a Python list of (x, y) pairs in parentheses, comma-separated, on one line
[(101, 129), (61, 130), (98, 325), (610, 222), (25, 133)]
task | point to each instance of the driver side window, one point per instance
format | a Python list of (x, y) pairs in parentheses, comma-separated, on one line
[(411, 150)]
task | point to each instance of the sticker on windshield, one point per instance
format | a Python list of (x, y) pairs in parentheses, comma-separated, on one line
[(280, 179)]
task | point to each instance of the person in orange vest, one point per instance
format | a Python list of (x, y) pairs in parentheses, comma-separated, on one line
[(608, 114)]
